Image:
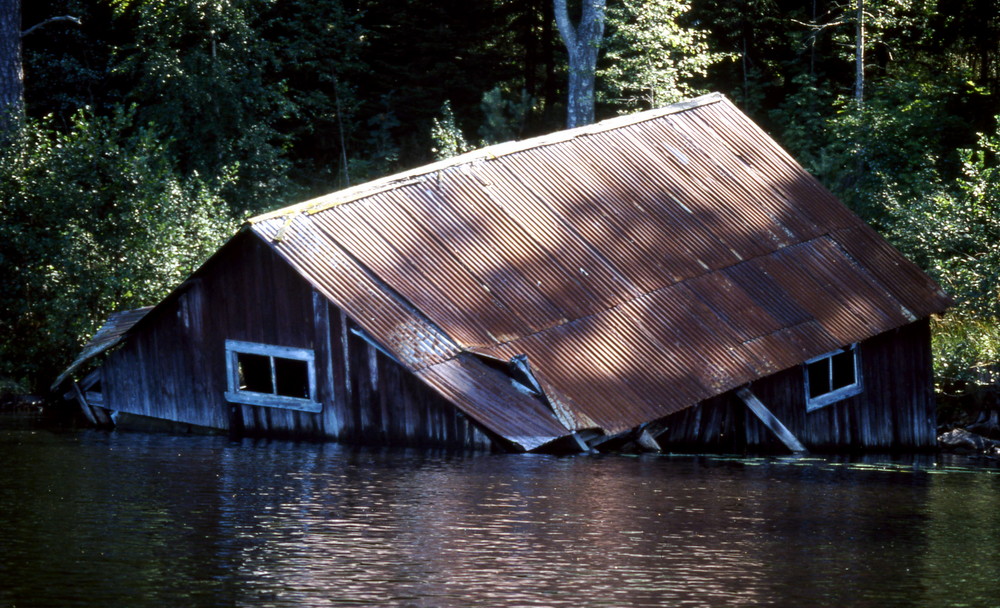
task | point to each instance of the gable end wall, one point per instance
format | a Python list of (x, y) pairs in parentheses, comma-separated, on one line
[(172, 366), (895, 411)]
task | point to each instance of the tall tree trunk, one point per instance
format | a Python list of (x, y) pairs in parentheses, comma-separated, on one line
[(11, 72), (859, 54), (583, 44)]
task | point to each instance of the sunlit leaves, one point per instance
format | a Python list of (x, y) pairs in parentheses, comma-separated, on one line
[(447, 136), (92, 220), (200, 72), (653, 58)]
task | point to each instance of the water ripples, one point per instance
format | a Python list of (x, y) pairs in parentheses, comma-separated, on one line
[(142, 520)]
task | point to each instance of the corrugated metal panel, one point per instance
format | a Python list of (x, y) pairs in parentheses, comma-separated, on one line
[(661, 205), (403, 253), (109, 335), (642, 265), (506, 262), (596, 217), (900, 277), (737, 228), (561, 241), (733, 306), (373, 305), (489, 398), (685, 343)]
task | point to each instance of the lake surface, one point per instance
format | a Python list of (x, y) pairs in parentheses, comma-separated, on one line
[(91, 518)]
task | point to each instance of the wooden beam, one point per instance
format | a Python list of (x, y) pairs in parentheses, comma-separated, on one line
[(105, 419), (646, 442), (770, 420), (84, 406)]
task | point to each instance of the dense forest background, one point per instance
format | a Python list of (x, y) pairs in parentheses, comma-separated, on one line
[(151, 128)]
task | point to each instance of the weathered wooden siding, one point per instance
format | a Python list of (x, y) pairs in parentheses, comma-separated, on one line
[(173, 365), (895, 411)]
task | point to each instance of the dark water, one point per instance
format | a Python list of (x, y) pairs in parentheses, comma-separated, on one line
[(90, 518)]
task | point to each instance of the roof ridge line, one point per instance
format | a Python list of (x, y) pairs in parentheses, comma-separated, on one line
[(411, 176)]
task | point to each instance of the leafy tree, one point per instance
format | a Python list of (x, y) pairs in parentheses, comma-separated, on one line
[(653, 58), (66, 63), (968, 34), (447, 136), (504, 119), (888, 152), (316, 47), (91, 221), (756, 33), (954, 232), (198, 70), (420, 54)]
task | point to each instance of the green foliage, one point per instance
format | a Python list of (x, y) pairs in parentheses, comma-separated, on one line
[(383, 150), (504, 119), (316, 47), (92, 220), (888, 153), (447, 136), (955, 232), (952, 229), (65, 63), (803, 116), (966, 354), (199, 71), (653, 58), (756, 34)]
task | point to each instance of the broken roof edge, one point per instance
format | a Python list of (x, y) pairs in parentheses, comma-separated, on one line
[(404, 178), (108, 335)]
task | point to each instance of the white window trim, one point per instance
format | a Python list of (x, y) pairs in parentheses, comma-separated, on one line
[(815, 403), (235, 395)]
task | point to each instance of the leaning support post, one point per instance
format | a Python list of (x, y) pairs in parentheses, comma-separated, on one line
[(84, 406), (770, 420), (646, 442)]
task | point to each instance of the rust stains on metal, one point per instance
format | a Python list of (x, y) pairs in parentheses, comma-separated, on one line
[(643, 265), (493, 400)]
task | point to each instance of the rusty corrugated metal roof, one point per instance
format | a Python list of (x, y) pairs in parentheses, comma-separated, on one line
[(484, 394), (642, 264)]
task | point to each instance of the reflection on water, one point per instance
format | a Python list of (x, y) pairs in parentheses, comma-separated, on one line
[(108, 519)]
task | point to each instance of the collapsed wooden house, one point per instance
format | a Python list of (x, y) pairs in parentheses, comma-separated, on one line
[(672, 278)]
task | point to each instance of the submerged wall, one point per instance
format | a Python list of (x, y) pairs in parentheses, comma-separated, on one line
[(173, 366), (894, 411)]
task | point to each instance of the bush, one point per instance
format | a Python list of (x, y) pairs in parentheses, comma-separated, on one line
[(92, 220), (954, 232)]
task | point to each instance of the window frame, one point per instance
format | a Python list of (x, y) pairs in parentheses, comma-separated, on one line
[(234, 394), (837, 394)]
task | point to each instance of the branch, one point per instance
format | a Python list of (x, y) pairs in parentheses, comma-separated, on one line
[(819, 26), (564, 24), (75, 20)]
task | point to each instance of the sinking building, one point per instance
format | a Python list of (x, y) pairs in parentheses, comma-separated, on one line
[(669, 277)]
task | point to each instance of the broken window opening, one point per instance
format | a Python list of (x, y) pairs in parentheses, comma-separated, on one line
[(271, 376), (832, 377)]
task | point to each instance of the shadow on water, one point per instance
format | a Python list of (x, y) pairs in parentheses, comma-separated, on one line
[(115, 519)]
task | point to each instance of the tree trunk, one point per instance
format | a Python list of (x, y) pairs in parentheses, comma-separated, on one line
[(11, 73), (859, 55), (583, 43)]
